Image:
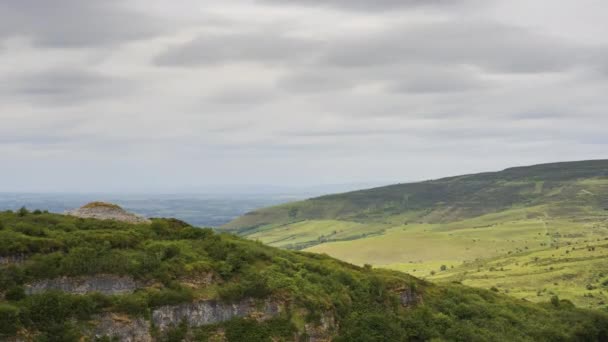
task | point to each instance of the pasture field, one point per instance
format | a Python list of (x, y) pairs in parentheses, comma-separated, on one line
[(529, 258), (532, 232)]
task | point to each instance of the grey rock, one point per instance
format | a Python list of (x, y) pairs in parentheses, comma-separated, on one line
[(121, 328), (210, 312), (410, 298), (106, 284), (12, 259), (323, 331)]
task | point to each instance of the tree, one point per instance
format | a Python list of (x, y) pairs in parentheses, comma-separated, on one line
[(23, 211), (555, 301), (443, 267), (15, 293), (9, 320)]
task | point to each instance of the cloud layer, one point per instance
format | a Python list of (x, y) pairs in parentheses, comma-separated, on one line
[(151, 96)]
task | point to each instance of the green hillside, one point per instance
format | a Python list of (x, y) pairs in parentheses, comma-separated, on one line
[(539, 215), (71, 279)]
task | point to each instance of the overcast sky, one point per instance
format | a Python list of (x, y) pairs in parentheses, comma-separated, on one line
[(159, 95)]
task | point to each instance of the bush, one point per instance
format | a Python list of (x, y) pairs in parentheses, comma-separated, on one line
[(135, 304), (30, 229), (250, 330), (170, 297), (555, 301), (15, 293), (9, 320), (23, 212)]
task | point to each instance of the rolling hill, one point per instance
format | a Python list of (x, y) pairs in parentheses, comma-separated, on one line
[(65, 279), (530, 231)]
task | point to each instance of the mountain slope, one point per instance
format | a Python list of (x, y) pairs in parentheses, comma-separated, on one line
[(448, 199), (70, 279), (461, 221)]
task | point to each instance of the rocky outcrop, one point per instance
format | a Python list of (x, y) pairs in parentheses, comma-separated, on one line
[(322, 331), (12, 259), (210, 312), (124, 328), (409, 297), (121, 328), (106, 284), (106, 211)]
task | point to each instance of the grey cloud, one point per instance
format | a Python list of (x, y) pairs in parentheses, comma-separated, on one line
[(415, 79), (243, 96), (366, 5), (437, 80), (64, 86), (345, 133), (488, 45), (219, 48), (76, 23), (455, 43), (318, 80), (352, 88)]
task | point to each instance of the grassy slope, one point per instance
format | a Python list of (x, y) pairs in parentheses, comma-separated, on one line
[(459, 220), (168, 255)]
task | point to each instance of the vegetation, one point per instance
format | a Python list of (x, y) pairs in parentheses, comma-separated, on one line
[(170, 258), (101, 205), (521, 230)]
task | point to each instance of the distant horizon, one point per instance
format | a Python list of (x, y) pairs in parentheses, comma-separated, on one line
[(274, 189)]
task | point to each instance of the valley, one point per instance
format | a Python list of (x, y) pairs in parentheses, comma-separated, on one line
[(529, 232)]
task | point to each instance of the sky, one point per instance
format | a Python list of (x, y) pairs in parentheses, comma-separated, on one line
[(170, 96)]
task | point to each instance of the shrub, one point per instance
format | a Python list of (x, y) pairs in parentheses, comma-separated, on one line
[(15, 293), (170, 297), (9, 320), (23, 212), (555, 301), (250, 330), (30, 229), (134, 304)]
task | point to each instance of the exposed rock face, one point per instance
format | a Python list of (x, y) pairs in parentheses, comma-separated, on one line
[(12, 259), (410, 298), (321, 332), (122, 328), (210, 312), (106, 284), (106, 211), (199, 314)]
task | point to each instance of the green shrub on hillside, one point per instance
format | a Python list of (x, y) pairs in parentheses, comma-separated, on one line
[(167, 254)]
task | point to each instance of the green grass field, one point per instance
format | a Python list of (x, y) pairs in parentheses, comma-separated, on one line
[(513, 230), (531, 258)]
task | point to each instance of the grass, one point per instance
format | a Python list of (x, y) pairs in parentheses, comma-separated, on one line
[(470, 224), (172, 262), (93, 205), (515, 254), (305, 233)]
